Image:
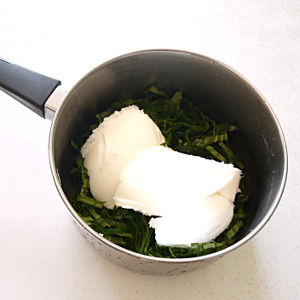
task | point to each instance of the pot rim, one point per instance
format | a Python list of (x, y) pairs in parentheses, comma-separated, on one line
[(77, 219)]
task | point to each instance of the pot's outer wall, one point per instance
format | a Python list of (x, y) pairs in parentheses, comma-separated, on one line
[(218, 91)]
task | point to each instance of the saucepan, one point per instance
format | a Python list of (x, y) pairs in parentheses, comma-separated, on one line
[(218, 90)]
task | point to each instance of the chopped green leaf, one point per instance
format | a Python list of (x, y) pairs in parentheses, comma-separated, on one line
[(186, 129)]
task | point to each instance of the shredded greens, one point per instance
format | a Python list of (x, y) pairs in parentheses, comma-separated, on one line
[(186, 129)]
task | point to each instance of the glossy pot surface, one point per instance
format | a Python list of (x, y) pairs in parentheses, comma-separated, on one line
[(220, 92)]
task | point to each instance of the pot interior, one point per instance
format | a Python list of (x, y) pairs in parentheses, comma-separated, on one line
[(217, 90)]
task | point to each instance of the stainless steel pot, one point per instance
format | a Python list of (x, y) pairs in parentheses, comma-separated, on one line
[(218, 90)]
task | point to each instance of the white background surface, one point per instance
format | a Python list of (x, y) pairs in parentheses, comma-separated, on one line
[(42, 256)]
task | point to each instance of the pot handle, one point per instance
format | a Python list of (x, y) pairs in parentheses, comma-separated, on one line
[(28, 87)]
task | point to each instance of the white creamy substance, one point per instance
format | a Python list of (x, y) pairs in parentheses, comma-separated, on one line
[(193, 196), (190, 199), (113, 145)]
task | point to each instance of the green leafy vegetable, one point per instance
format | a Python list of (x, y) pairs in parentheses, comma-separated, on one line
[(186, 129)]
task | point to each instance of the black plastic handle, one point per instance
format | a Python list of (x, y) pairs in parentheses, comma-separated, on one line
[(28, 87)]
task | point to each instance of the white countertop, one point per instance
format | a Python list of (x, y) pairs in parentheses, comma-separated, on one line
[(42, 256)]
